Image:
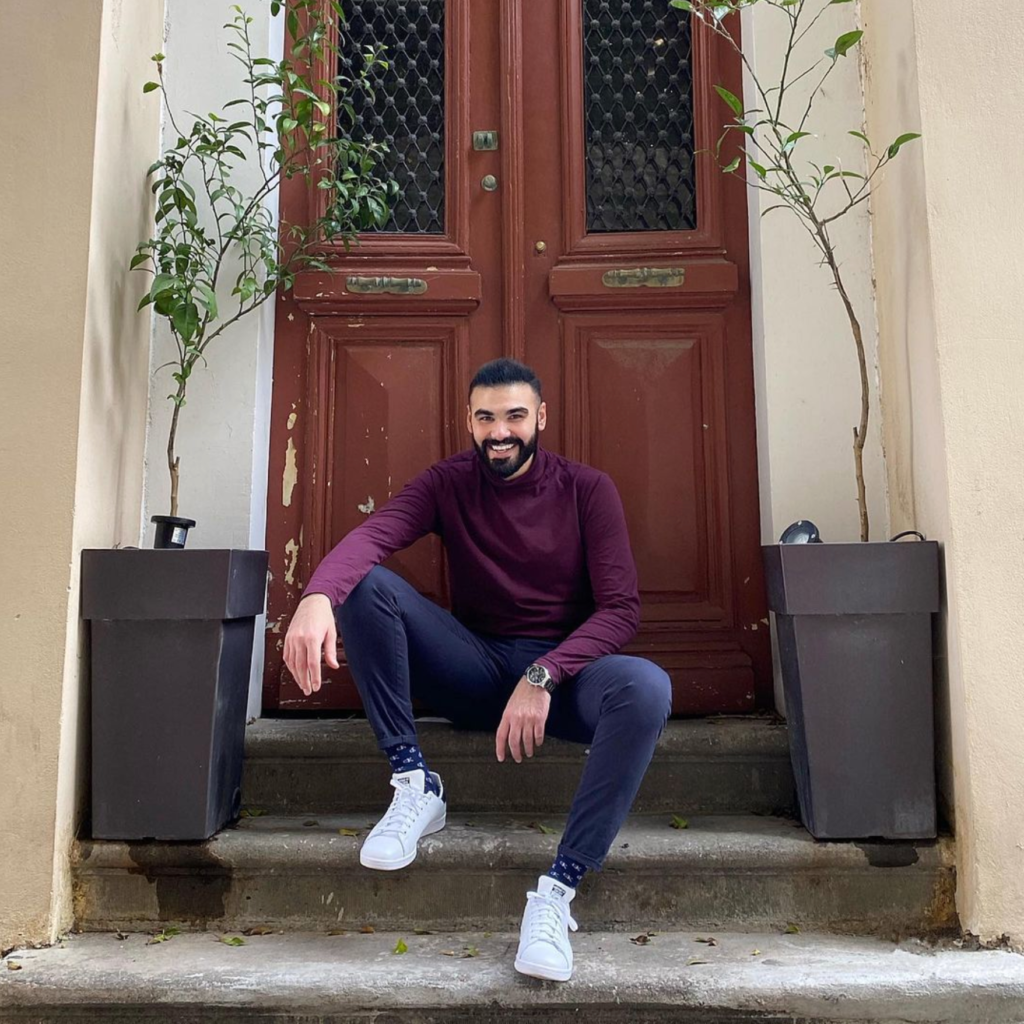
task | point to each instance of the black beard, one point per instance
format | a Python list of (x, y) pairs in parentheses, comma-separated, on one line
[(515, 459)]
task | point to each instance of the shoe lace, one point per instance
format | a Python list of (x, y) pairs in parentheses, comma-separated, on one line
[(406, 805), (547, 918)]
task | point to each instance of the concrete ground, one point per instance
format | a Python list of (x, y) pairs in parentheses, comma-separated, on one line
[(455, 977)]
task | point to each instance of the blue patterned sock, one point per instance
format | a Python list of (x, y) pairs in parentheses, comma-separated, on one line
[(406, 757), (567, 871)]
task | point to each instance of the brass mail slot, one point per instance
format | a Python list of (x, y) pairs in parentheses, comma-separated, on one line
[(386, 285), (645, 277)]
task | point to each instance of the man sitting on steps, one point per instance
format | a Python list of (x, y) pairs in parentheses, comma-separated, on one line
[(544, 593)]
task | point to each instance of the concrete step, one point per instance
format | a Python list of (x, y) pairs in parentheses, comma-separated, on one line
[(704, 766), (813, 979), (738, 872)]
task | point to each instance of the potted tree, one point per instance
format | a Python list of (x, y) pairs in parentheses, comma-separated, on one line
[(172, 630), (853, 619)]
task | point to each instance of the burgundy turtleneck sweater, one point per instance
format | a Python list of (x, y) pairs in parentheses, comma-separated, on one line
[(544, 555)]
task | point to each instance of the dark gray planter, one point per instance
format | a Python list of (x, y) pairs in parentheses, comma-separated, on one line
[(171, 650), (854, 625)]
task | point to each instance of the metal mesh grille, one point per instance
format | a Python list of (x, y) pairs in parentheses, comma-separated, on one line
[(407, 110), (638, 104)]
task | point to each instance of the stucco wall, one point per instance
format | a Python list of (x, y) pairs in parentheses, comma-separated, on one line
[(223, 435), (72, 398), (948, 227)]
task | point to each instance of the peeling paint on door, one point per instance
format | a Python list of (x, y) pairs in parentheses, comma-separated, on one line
[(291, 472), (291, 550)]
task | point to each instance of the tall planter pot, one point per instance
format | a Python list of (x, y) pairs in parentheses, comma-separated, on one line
[(854, 625), (171, 650)]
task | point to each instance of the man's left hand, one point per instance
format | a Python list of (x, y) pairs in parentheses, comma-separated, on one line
[(522, 725)]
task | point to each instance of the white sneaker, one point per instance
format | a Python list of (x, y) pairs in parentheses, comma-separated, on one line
[(544, 950), (414, 812)]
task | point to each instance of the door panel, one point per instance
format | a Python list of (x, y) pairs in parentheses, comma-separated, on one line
[(611, 257)]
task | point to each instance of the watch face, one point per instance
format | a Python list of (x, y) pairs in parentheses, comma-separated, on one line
[(537, 675)]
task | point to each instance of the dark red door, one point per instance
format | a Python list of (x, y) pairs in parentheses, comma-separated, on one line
[(556, 209)]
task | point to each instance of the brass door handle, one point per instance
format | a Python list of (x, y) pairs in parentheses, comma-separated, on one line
[(489, 183)]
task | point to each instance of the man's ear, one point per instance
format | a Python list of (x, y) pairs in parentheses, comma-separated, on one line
[(469, 419), (542, 416)]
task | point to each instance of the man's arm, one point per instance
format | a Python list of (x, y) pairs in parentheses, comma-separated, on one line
[(613, 580), (411, 514)]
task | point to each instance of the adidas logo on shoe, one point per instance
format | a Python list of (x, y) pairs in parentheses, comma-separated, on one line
[(415, 812)]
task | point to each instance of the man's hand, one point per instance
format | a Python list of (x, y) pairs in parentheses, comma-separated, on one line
[(312, 630), (522, 725)]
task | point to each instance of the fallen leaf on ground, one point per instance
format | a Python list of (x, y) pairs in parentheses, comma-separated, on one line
[(642, 939), (348, 831), (367, 929), (120, 936), (678, 822), (337, 931), (400, 947), (260, 929), (755, 952), (232, 940), (310, 823), (12, 966), (252, 812), (542, 828), (709, 941), (693, 963), (447, 952), (791, 929), (470, 951), (164, 936), (422, 931)]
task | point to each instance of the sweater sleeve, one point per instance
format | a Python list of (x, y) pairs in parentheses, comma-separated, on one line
[(409, 515), (613, 581)]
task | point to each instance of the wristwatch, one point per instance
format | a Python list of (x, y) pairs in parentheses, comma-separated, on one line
[(538, 675)]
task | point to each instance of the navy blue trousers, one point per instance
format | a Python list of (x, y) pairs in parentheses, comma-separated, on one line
[(400, 645)]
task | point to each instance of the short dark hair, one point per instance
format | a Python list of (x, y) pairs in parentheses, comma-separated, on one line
[(502, 372)]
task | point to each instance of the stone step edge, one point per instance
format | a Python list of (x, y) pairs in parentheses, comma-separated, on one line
[(647, 844), (737, 739), (813, 976)]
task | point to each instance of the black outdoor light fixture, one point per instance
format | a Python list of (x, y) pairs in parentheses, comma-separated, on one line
[(803, 531)]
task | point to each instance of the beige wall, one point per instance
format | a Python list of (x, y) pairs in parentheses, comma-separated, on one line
[(73, 370), (948, 224)]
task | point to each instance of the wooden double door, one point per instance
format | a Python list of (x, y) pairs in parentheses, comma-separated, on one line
[(555, 207)]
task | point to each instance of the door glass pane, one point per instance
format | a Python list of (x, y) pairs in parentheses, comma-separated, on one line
[(407, 109), (638, 108)]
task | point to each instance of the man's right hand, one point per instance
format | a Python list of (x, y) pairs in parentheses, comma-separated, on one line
[(311, 632)]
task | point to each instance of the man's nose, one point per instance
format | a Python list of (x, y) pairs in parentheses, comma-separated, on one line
[(499, 432)]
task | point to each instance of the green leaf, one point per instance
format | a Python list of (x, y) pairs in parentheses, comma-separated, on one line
[(792, 929), (162, 283), (232, 940), (678, 822), (846, 42), (731, 166), (275, 8), (400, 947), (138, 259), (207, 298), (733, 101), (901, 142), (761, 172), (185, 318), (144, 302), (682, 5), (157, 57), (151, 86)]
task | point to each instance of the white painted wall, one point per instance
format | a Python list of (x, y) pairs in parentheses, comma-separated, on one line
[(224, 429)]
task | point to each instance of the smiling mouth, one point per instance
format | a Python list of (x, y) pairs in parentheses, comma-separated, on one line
[(505, 449)]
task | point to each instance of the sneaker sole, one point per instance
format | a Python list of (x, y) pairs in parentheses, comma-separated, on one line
[(543, 972), (404, 862)]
